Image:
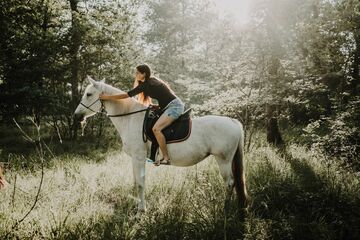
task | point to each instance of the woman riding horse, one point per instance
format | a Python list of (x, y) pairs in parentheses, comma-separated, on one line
[(148, 86)]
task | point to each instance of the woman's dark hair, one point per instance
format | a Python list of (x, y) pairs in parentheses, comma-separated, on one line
[(142, 97), (144, 68)]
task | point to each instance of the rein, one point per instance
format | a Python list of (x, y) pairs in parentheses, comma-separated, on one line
[(125, 114)]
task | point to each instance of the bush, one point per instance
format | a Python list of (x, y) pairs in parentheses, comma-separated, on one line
[(339, 136)]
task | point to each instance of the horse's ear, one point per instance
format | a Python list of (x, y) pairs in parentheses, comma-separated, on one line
[(92, 81), (103, 80)]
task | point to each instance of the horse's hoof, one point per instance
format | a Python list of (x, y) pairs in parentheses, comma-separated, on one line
[(141, 210), (139, 213)]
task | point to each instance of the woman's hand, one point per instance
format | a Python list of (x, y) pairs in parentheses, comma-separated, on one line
[(103, 96)]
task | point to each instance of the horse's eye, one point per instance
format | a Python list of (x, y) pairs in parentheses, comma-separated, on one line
[(88, 94)]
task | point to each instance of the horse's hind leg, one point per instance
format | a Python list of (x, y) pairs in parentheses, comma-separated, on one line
[(226, 173)]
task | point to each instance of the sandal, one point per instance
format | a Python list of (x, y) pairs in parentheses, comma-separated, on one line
[(167, 162), (162, 162)]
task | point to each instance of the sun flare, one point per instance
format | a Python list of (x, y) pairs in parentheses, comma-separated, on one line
[(238, 9)]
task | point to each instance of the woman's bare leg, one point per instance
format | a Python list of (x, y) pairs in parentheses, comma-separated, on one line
[(160, 124)]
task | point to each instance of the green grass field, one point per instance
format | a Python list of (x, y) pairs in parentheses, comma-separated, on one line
[(300, 195)]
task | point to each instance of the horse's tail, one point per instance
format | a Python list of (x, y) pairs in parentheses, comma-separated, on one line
[(239, 171)]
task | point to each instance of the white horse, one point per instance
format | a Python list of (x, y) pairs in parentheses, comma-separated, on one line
[(220, 136)]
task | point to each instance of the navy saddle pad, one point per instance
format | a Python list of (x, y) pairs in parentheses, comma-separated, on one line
[(178, 131)]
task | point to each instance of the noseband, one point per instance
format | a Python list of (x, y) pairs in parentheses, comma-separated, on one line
[(102, 106)]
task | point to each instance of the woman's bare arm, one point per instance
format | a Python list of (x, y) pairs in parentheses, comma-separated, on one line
[(113, 97)]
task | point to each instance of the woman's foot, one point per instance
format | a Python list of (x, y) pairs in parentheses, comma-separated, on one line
[(162, 161)]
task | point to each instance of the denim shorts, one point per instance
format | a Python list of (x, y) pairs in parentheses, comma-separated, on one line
[(175, 108)]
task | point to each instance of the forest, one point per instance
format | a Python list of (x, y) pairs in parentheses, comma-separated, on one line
[(288, 70)]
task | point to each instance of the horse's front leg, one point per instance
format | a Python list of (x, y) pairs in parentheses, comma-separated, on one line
[(138, 163)]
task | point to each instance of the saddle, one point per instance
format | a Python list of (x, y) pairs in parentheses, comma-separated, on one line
[(177, 131)]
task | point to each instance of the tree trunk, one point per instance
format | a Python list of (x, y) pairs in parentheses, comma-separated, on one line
[(74, 61), (183, 34), (354, 84), (43, 58), (273, 133)]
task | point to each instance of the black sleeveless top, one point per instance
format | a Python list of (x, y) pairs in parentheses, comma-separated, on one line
[(155, 89)]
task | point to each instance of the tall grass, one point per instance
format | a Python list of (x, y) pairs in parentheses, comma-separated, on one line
[(297, 195)]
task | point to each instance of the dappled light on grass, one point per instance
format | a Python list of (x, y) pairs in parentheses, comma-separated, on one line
[(290, 194), (97, 198)]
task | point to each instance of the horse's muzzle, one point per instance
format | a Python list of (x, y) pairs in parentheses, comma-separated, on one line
[(78, 117)]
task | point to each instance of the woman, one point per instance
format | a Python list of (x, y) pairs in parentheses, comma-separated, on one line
[(147, 87)]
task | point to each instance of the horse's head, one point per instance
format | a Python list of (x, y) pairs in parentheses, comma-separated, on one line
[(90, 103)]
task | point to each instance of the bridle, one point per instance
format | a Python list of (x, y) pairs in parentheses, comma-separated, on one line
[(103, 110), (102, 106)]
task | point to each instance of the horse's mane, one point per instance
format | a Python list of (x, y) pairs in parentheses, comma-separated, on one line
[(108, 89)]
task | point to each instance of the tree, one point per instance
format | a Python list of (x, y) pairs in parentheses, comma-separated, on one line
[(48, 47), (28, 46)]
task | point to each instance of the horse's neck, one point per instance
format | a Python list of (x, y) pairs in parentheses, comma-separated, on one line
[(123, 106)]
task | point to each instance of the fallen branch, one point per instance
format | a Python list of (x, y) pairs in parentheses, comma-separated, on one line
[(39, 149)]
